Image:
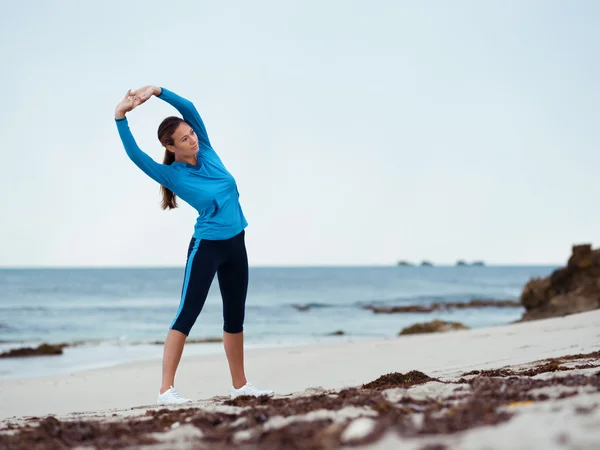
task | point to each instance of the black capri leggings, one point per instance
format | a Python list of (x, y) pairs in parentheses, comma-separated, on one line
[(228, 259)]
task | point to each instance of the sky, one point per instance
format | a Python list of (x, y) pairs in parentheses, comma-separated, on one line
[(359, 133)]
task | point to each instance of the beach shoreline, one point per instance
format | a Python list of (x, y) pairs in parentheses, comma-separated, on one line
[(79, 359), (295, 369)]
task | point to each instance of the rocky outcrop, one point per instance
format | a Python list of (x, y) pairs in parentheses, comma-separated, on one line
[(301, 307), (568, 290), (447, 306), (337, 333), (208, 340), (40, 350), (435, 326), (462, 262), (403, 263)]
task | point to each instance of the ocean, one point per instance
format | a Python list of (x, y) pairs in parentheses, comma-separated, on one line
[(115, 315)]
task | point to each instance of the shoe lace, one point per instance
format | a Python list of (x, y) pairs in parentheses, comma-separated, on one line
[(175, 394), (253, 388)]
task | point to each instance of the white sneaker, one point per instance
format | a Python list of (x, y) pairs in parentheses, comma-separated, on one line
[(171, 397), (250, 389)]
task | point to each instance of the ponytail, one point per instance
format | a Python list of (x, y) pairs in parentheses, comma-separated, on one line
[(169, 200), (165, 136)]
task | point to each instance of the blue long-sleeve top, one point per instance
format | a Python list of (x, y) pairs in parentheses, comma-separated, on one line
[(208, 187)]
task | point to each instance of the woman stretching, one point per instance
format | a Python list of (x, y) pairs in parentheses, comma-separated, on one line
[(193, 171)]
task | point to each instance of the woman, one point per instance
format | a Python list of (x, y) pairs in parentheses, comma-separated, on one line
[(193, 171)]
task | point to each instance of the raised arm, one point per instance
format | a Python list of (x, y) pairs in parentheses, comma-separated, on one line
[(185, 107), (158, 172)]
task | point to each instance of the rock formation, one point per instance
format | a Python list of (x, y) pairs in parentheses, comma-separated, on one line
[(208, 340), (568, 290), (446, 306), (337, 333), (462, 262), (40, 350), (435, 326)]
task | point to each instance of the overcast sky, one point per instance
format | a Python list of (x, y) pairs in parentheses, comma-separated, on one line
[(359, 132)]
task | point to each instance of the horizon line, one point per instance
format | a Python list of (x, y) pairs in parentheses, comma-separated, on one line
[(282, 266)]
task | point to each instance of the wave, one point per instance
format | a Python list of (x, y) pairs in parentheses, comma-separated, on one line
[(305, 306), (69, 308), (22, 308)]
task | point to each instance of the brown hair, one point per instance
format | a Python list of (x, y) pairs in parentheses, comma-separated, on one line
[(165, 136)]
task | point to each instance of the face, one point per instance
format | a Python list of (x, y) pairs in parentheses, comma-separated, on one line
[(185, 141)]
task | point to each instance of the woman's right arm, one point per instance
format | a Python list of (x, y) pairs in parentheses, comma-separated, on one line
[(158, 172), (185, 107)]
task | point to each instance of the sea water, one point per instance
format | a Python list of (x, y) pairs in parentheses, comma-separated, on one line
[(115, 315)]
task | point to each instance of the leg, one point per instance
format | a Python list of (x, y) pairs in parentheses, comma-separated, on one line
[(171, 357), (233, 283), (234, 349), (200, 271)]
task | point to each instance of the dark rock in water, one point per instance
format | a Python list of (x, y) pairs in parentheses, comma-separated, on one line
[(426, 264), (404, 263), (484, 303), (462, 262), (195, 341), (204, 340), (568, 290), (400, 309), (435, 326), (41, 350), (337, 333), (301, 307), (475, 303)]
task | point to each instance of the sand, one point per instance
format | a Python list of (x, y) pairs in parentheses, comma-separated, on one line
[(571, 422)]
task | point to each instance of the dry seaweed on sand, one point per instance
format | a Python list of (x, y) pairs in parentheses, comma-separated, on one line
[(399, 380), (319, 421)]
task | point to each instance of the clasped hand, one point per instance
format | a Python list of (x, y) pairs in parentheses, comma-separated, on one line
[(133, 99)]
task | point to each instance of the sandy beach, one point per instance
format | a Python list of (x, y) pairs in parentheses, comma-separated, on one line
[(130, 390)]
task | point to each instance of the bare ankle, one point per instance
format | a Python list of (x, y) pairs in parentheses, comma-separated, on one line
[(239, 383), (164, 389)]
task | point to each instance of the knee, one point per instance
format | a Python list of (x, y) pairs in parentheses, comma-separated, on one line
[(233, 328), (181, 327), (233, 320), (233, 323)]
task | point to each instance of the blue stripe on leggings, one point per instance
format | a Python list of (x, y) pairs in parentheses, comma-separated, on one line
[(186, 282)]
